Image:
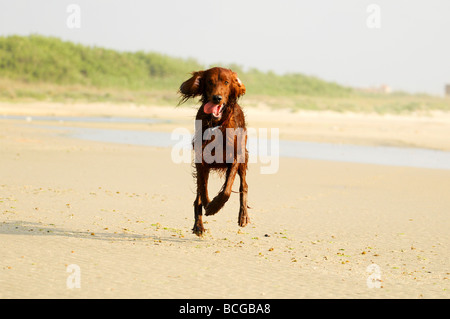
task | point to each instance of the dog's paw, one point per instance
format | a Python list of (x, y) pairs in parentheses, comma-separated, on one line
[(198, 230), (212, 208), (216, 204), (244, 220)]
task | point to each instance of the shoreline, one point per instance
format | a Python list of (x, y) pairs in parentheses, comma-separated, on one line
[(414, 130)]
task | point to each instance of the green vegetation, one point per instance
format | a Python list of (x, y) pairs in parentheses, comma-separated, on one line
[(45, 68), (42, 59), (50, 60)]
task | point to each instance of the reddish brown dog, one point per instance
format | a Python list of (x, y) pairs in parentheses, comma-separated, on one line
[(219, 90)]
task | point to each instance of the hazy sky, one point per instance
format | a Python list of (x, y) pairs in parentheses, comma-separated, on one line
[(332, 39)]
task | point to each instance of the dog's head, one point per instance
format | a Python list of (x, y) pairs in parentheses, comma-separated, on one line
[(219, 88)]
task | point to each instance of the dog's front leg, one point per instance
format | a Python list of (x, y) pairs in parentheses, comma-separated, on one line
[(217, 203), (202, 198), (243, 219), (198, 228)]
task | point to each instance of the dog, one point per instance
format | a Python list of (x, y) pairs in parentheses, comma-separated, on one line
[(219, 114)]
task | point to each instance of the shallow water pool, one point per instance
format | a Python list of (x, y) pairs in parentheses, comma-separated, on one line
[(382, 155)]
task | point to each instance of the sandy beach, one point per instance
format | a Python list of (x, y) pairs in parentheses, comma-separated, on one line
[(122, 214)]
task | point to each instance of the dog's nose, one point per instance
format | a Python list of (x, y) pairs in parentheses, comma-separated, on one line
[(217, 98)]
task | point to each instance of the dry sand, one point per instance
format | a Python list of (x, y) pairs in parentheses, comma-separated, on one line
[(123, 214)]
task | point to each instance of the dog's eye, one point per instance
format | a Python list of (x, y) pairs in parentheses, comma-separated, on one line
[(226, 82)]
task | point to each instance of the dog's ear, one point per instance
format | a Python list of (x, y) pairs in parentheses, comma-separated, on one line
[(238, 86), (191, 87)]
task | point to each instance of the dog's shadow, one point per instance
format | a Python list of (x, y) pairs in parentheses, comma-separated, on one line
[(37, 229)]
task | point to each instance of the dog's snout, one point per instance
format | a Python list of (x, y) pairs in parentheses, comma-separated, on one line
[(217, 98)]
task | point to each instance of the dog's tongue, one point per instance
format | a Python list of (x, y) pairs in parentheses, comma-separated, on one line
[(212, 108)]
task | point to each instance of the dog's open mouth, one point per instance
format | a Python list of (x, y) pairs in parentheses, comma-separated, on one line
[(214, 109)]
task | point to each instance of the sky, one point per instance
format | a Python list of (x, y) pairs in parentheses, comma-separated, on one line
[(361, 43)]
